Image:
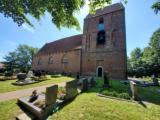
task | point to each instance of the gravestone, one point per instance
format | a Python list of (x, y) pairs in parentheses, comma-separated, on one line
[(133, 88), (77, 76), (30, 74), (85, 84), (106, 79), (155, 80), (21, 76), (51, 95), (92, 82), (71, 90)]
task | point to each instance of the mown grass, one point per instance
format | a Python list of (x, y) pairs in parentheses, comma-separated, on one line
[(9, 110), (149, 94), (6, 86), (88, 106)]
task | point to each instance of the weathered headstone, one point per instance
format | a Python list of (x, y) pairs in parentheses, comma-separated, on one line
[(51, 95), (21, 76), (85, 84), (71, 90), (91, 81), (77, 76), (30, 74), (133, 88), (106, 79), (155, 80)]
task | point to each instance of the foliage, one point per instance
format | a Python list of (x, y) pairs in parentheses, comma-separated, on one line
[(146, 62), (115, 94), (61, 11), (117, 89), (156, 6), (20, 59), (8, 73)]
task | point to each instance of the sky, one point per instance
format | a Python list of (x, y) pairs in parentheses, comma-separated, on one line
[(141, 22)]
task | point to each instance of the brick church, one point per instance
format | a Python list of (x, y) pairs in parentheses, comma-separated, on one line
[(101, 47)]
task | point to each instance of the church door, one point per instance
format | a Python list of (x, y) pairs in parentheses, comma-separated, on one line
[(99, 71)]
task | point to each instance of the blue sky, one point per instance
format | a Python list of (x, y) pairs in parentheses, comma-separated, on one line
[(141, 22)]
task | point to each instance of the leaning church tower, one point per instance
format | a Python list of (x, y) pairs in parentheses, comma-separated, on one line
[(104, 42)]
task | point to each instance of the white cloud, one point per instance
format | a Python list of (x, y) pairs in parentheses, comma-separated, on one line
[(28, 28), (11, 43)]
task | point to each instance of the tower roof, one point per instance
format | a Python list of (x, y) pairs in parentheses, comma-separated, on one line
[(107, 9)]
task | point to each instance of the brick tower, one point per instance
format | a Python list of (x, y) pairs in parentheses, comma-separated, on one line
[(104, 42)]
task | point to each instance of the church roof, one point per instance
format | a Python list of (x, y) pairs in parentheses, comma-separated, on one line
[(62, 45), (107, 9)]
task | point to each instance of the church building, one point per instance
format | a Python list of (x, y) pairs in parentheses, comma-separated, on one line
[(101, 47)]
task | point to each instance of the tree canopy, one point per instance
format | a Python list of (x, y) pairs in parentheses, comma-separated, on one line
[(20, 59), (61, 11), (146, 62)]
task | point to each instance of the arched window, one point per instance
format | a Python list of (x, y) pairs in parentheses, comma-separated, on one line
[(39, 61), (64, 59), (50, 61)]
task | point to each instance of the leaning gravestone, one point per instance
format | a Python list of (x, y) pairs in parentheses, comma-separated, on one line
[(133, 88)]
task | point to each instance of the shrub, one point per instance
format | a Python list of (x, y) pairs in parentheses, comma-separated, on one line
[(8, 73), (124, 96), (116, 94)]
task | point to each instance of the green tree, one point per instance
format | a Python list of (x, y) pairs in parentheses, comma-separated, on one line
[(61, 11), (10, 63), (21, 58), (156, 6), (155, 46), (136, 55)]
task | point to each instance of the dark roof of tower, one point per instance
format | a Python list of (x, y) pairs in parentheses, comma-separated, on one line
[(62, 45), (107, 9)]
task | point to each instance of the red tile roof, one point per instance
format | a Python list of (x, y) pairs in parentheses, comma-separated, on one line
[(62, 45)]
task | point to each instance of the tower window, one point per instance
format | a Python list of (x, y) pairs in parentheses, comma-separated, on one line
[(101, 32), (101, 37), (101, 24)]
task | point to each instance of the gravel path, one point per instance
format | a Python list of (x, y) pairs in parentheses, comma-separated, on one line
[(25, 92)]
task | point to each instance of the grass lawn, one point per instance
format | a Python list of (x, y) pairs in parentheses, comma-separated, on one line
[(6, 86), (9, 110), (88, 106), (149, 94)]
